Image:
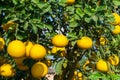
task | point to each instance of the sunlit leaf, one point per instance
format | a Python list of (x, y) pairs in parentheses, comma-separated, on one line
[(95, 76), (58, 67), (101, 8), (64, 65), (115, 76), (73, 24), (116, 2), (35, 1), (80, 12), (15, 2)]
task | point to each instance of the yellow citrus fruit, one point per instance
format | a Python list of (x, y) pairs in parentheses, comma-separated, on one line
[(8, 24), (28, 45), (84, 43), (102, 65), (45, 68), (6, 70), (62, 50), (117, 18), (37, 52), (2, 43), (102, 40), (113, 59), (16, 49), (79, 74), (75, 73), (39, 69), (69, 2), (116, 30), (60, 40)]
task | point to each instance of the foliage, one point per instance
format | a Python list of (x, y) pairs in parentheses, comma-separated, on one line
[(39, 20)]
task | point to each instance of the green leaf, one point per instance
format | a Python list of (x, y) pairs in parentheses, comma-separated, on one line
[(26, 26), (19, 37), (70, 10), (34, 28), (40, 5), (49, 27), (95, 76), (115, 76), (31, 7), (40, 25), (101, 8), (116, 2), (88, 11), (72, 36), (43, 6), (58, 67), (22, 1), (64, 65), (46, 9), (87, 19), (35, 1), (73, 24), (95, 18), (80, 12), (62, 2), (7, 41), (15, 2), (77, 17)]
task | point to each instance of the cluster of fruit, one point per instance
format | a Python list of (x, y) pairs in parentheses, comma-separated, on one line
[(104, 66), (19, 51), (5, 69), (116, 30), (86, 43), (60, 42), (77, 76)]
